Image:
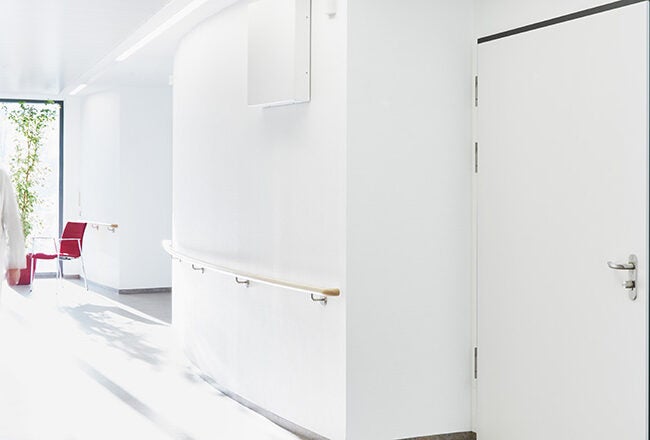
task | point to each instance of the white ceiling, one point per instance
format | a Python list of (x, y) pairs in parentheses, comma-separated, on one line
[(48, 47)]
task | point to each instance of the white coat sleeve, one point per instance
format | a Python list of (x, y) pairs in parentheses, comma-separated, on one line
[(12, 225)]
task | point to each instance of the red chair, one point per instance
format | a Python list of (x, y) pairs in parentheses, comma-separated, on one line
[(68, 248)]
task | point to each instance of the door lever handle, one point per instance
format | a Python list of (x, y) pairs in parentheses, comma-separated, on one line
[(629, 285), (626, 266)]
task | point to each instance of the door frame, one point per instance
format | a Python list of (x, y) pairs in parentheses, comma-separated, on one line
[(476, 168)]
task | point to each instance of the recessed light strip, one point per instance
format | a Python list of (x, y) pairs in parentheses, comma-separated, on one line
[(162, 28), (78, 89)]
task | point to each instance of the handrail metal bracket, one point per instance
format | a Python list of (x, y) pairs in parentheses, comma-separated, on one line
[(112, 227), (319, 299), (201, 269), (247, 282), (318, 294)]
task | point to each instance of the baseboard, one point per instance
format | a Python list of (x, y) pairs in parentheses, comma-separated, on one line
[(299, 431), (148, 290), (454, 436), (44, 275), (104, 288), (304, 433), (112, 290)]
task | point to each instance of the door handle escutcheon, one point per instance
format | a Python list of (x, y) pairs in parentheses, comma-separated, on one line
[(630, 267)]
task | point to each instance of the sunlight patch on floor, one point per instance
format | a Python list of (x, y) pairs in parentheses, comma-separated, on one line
[(78, 366)]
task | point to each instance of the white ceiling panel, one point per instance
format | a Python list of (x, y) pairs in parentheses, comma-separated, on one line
[(47, 45)]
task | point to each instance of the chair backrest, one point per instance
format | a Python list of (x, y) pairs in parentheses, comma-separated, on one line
[(74, 230)]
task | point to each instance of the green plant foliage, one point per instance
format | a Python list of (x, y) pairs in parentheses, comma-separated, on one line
[(27, 172)]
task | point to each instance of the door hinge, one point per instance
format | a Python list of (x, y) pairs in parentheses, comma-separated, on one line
[(476, 91), (475, 362), (475, 157)]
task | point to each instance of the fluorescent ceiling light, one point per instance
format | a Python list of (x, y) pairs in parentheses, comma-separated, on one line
[(162, 28), (78, 89)]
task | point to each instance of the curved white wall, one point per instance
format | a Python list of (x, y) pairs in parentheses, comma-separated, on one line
[(367, 187), (262, 190)]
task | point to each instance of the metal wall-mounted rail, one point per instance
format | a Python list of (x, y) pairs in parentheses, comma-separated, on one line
[(317, 294), (96, 225)]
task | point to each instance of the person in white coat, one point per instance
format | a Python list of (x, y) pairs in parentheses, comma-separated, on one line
[(12, 243)]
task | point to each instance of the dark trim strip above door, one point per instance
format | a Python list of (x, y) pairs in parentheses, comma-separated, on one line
[(561, 19)]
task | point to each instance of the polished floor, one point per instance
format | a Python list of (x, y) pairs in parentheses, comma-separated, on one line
[(78, 365)]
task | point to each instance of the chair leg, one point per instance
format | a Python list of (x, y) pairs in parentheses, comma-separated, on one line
[(31, 274), (59, 272), (83, 270)]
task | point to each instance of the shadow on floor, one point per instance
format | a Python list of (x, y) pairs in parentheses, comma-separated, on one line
[(21, 290), (135, 403), (100, 320)]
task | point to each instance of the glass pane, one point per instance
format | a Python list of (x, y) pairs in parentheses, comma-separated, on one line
[(46, 212)]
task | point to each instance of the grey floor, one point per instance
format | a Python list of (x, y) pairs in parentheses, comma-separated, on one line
[(158, 305), (79, 365)]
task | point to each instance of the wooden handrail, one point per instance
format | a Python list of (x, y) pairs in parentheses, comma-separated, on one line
[(245, 277)]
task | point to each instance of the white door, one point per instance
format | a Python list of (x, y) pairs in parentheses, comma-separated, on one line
[(563, 188)]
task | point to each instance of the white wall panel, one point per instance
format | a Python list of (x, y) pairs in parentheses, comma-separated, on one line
[(124, 159), (408, 218)]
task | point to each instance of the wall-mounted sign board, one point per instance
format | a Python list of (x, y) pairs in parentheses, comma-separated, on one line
[(279, 52)]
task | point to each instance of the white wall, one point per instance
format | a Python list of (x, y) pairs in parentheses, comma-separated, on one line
[(371, 181), (145, 187), (263, 190), (124, 161), (408, 218), (99, 190), (72, 157), (494, 16)]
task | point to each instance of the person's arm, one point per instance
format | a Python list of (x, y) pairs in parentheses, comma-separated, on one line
[(14, 230)]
